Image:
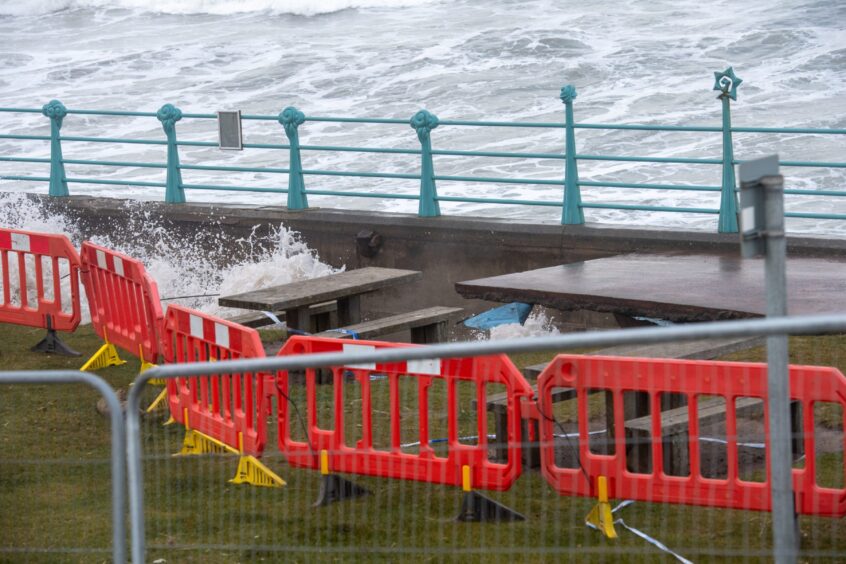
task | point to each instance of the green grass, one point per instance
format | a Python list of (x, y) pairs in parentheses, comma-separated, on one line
[(55, 490)]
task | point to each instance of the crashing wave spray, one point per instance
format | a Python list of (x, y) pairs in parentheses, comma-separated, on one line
[(187, 269)]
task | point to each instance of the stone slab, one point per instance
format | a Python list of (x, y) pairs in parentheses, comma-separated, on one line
[(674, 287), (323, 289), (395, 323)]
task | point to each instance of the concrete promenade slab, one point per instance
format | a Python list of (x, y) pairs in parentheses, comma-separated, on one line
[(672, 286)]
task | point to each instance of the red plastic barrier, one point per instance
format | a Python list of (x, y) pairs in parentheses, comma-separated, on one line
[(29, 252), (695, 380), (392, 462), (221, 407), (124, 301)]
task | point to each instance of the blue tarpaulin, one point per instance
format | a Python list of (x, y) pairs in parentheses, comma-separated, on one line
[(516, 312)]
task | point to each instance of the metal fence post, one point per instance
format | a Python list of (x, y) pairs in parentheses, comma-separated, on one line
[(727, 82), (423, 123), (169, 115), (56, 111), (118, 431), (291, 118), (778, 382), (762, 222), (572, 214)]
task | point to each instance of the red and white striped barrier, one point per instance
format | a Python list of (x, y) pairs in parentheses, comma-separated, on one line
[(124, 304), (32, 266)]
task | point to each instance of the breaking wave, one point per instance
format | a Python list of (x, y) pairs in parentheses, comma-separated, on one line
[(188, 270), (213, 7)]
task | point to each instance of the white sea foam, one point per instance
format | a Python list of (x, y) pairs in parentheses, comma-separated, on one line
[(190, 270), (538, 324), (633, 62), (215, 7)]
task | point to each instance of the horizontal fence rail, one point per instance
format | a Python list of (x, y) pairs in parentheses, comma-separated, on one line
[(775, 326), (566, 190)]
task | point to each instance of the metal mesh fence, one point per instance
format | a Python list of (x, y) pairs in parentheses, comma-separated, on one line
[(685, 464), (682, 446), (62, 478)]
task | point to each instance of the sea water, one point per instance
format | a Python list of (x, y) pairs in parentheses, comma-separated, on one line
[(632, 62)]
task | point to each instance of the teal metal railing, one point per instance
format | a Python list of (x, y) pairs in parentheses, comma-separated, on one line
[(423, 123)]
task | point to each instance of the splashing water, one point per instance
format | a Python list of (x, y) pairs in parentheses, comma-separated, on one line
[(187, 269), (538, 324)]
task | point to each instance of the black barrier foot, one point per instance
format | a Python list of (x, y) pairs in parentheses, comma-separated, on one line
[(477, 507), (52, 344), (335, 488)]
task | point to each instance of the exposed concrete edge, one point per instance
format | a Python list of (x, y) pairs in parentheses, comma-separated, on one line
[(591, 236)]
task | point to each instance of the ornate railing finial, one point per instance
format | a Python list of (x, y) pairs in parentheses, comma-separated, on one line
[(423, 122), (169, 115), (727, 83), (568, 94), (54, 110), (291, 118)]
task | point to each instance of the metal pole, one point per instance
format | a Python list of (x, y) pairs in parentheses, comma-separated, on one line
[(291, 118), (56, 111), (778, 389), (169, 115), (572, 213), (726, 83), (423, 122), (728, 200)]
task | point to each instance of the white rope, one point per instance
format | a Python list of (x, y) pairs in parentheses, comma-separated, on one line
[(661, 546)]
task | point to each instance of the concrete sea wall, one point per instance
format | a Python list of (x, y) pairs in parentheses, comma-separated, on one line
[(446, 249)]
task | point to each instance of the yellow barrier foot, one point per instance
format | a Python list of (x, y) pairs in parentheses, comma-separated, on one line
[(198, 443), (253, 471), (600, 516), (160, 400), (148, 365), (476, 507), (170, 421), (106, 356)]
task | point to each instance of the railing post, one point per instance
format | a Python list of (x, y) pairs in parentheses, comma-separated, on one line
[(572, 214), (169, 115), (291, 118), (56, 111), (727, 82), (423, 123)]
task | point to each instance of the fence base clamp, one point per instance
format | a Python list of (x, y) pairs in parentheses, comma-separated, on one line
[(335, 488), (51, 343), (600, 517), (476, 507), (253, 471)]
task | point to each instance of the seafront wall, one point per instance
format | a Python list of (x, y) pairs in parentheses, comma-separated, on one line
[(446, 249)]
